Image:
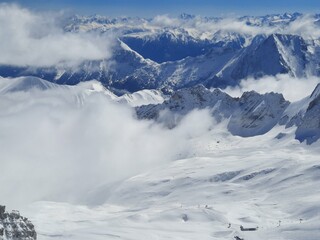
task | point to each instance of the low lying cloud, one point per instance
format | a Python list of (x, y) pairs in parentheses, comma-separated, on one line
[(165, 21), (60, 144), (303, 25), (34, 39), (293, 89), (201, 26)]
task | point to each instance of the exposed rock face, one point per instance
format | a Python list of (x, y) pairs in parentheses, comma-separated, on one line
[(276, 54), (253, 114), (257, 114), (305, 116), (309, 128), (15, 227), (226, 62), (197, 97)]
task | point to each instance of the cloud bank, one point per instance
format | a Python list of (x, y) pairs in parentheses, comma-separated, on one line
[(34, 39), (60, 144), (293, 89), (304, 25)]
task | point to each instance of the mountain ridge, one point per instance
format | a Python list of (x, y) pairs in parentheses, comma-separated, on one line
[(250, 115), (151, 54)]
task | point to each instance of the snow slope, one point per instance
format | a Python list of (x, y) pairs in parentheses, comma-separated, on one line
[(81, 90), (242, 181), (309, 127), (215, 185), (250, 115), (143, 97)]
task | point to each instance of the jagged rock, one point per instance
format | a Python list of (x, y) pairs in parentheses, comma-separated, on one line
[(15, 227), (252, 114), (185, 100), (305, 116), (257, 113), (309, 129), (225, 63), (276, 54)]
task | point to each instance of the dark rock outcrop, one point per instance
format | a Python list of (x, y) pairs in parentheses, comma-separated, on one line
[(15, 227)]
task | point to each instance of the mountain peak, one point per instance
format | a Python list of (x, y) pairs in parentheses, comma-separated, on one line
[(316, 92), (186, 16)]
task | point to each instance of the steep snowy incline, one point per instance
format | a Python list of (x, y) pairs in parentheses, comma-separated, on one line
[(252, 114), (257, 114), (309, 127), (26, 84), (143, 97), (79, 91), (185, 100), (277, 54), (167, 45), (304, 115)]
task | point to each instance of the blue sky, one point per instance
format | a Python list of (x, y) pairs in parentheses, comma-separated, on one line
[(174, 7)]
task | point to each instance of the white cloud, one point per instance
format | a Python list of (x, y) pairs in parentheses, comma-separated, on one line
[(293, 89), (34, 39), (165, 21), (61, 144), (201, 26), (303, 26)]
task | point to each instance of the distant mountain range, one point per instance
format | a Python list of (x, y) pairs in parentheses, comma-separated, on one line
[(250, 115), (173, 53), (171, 63)]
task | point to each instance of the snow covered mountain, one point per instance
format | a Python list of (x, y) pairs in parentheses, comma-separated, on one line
[(167, 45), (145, 143), (307, 117), (143, 97), (185, 100), (80, 91), (253, 114), (192, 50), (214, 184), (257, 114), (276, 54), (250, 115)]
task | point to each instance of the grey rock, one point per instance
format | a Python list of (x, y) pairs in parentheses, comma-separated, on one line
[(15, 227)]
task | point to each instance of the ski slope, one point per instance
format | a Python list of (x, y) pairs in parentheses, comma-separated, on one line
[(254, 182)]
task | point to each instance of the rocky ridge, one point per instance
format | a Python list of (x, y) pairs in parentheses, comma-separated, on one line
[(15, 227)]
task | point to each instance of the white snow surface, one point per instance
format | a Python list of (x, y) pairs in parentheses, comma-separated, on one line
[(81, 90), (223, 179), (143, 97), (252, 182)]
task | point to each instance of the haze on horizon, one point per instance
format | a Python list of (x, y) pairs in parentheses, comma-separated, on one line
[(149, 8)]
